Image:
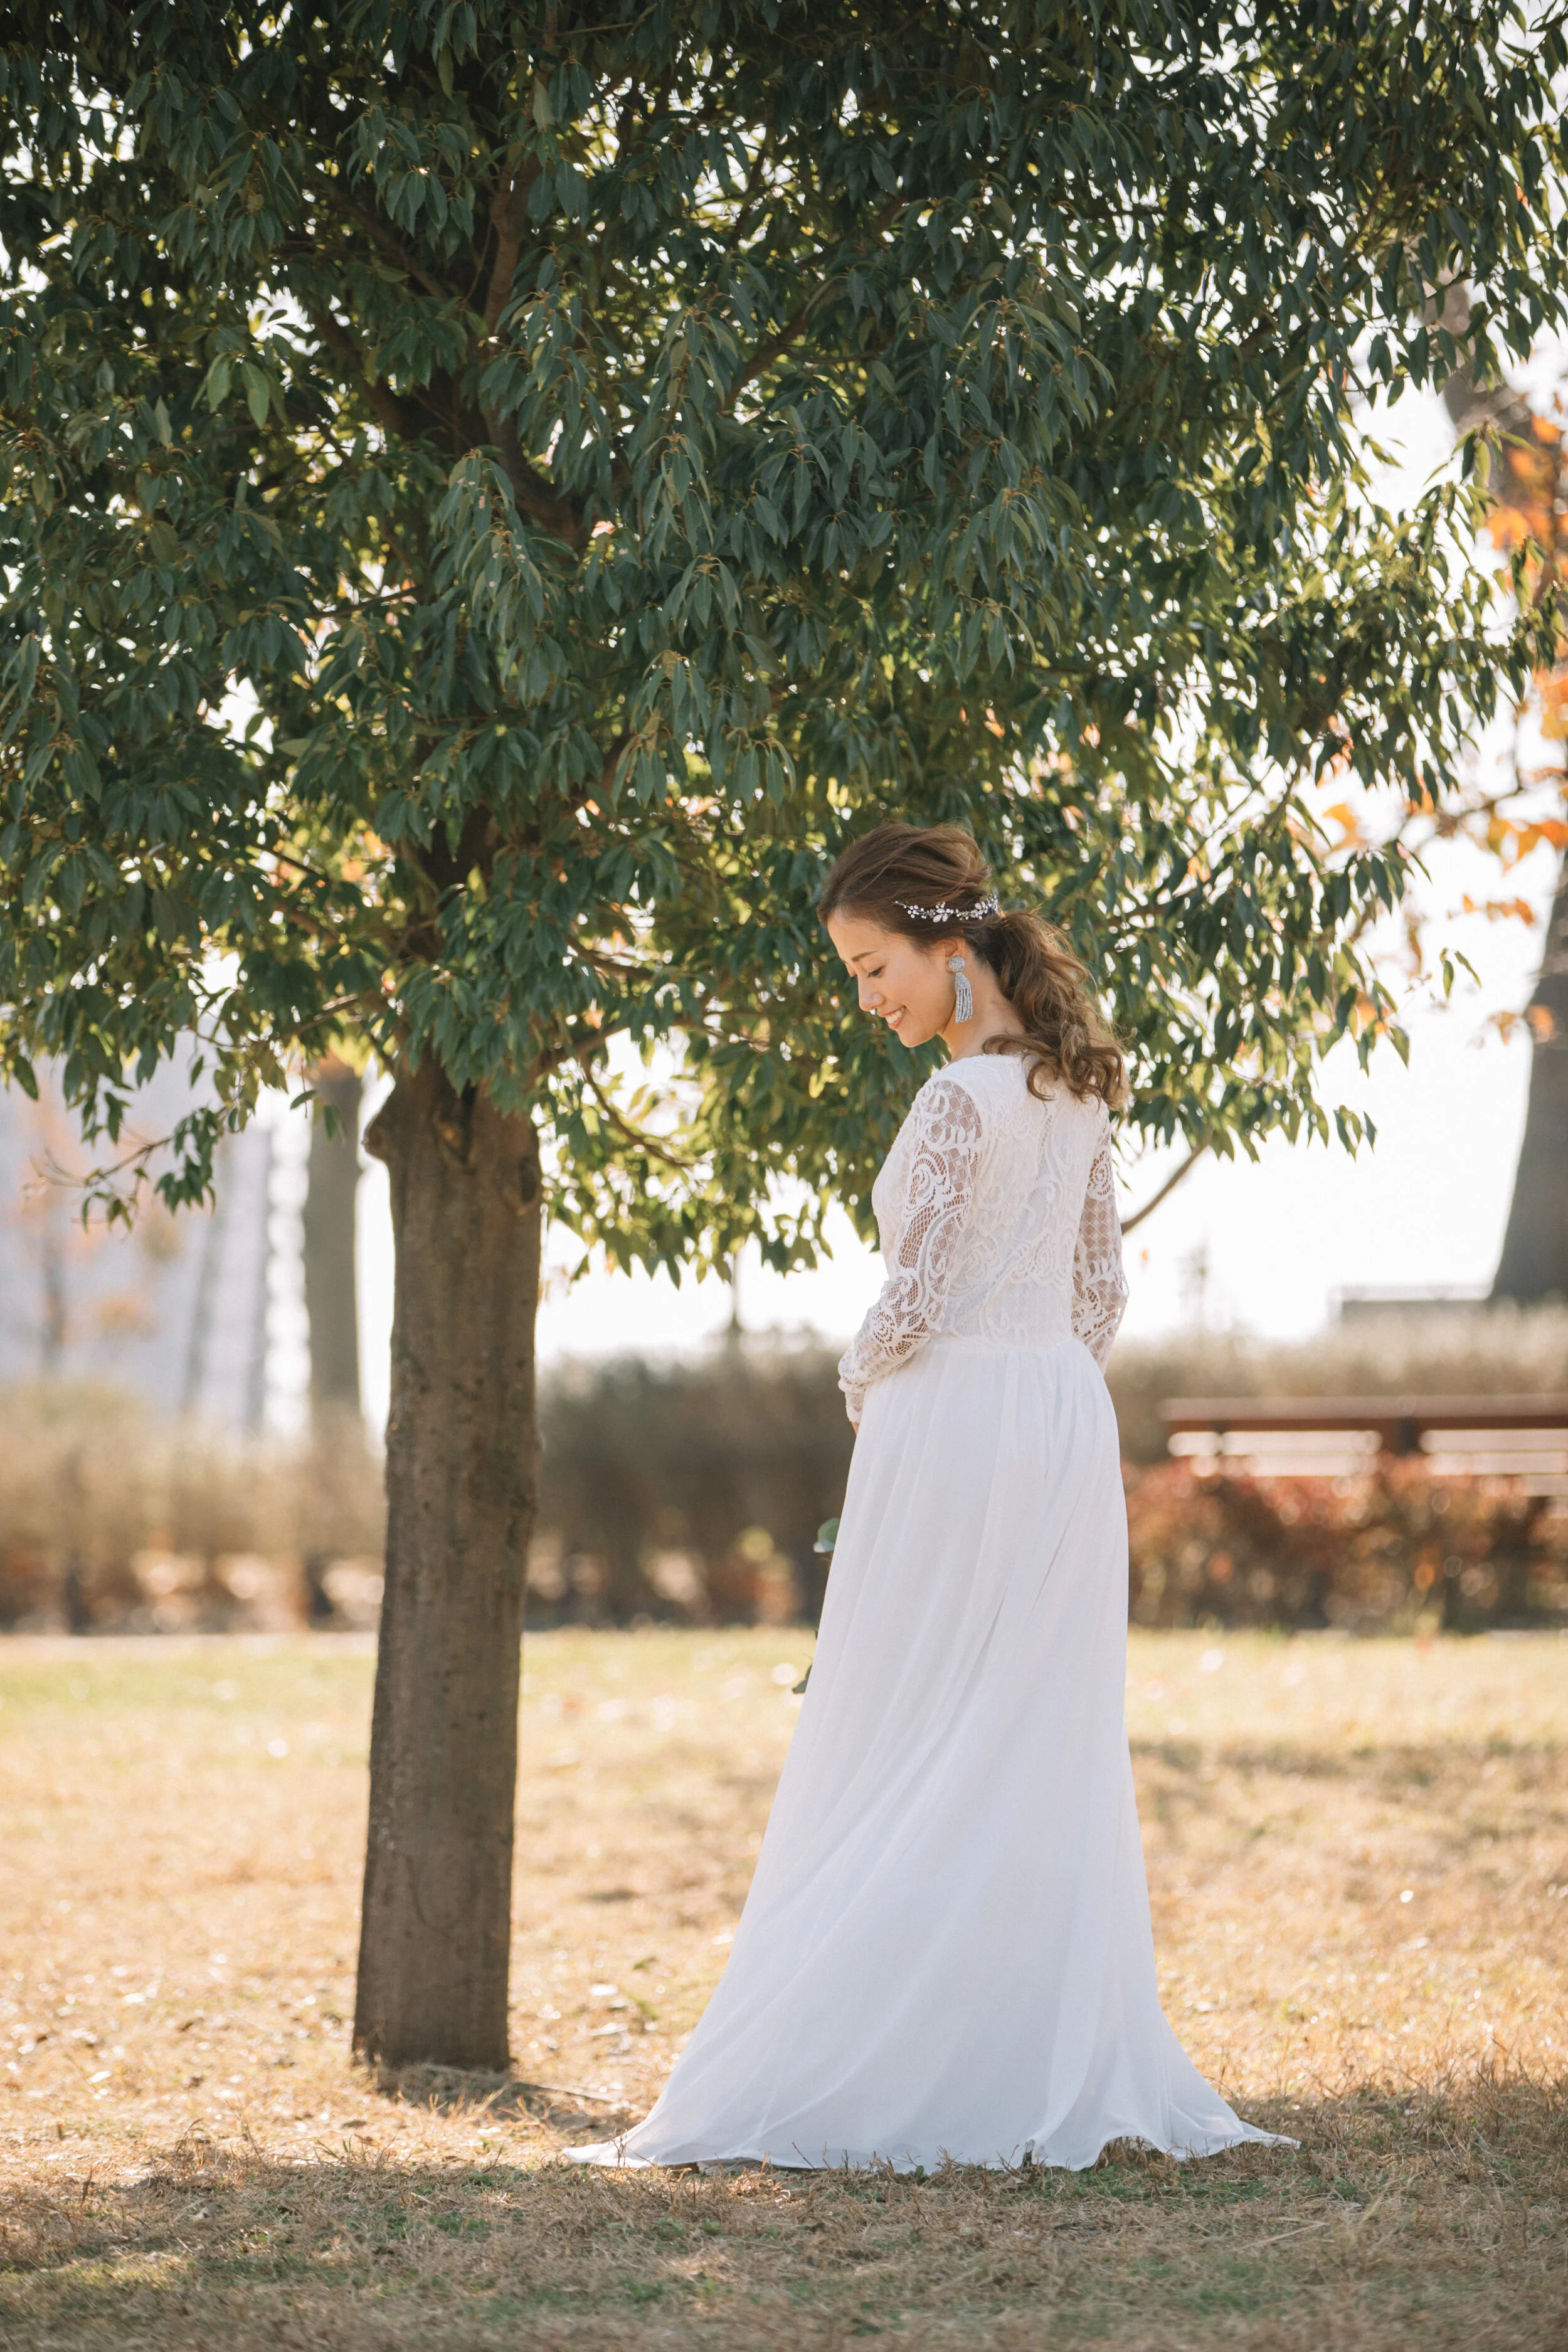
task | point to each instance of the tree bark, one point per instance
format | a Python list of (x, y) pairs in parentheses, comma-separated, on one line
[(1535, 1261), (462, 1451), (331, 1302)]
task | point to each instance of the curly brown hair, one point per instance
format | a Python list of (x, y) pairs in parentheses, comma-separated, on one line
[(1065, 1035)]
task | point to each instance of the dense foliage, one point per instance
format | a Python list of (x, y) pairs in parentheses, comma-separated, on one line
[(497, 492)]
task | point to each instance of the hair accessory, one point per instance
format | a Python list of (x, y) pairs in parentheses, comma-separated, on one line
[(976, 913), (963, 994)]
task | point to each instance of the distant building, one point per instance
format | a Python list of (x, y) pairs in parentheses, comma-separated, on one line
[(1356, 1303), (175, 1310)]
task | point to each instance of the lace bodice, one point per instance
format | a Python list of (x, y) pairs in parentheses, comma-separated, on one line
[(997, 1218)]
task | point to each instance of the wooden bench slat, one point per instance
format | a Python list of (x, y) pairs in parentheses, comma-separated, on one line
[(1397, 1420)]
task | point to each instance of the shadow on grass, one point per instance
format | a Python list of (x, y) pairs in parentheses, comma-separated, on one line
[(1431, 2216), (563, 2108), (1419, 1764)]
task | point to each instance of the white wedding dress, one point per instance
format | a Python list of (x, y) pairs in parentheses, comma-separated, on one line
[(946, 1950)]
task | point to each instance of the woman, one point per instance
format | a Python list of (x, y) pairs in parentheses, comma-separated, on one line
[(946, 1951)]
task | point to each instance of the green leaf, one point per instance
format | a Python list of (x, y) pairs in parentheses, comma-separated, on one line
[(258, 395)]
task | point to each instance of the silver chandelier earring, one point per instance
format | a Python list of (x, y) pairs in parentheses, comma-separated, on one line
[(963, 994)]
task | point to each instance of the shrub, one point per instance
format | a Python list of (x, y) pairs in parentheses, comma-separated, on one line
[(113, 1518), (693, 1491), (1388, 1549), (689, 1489)]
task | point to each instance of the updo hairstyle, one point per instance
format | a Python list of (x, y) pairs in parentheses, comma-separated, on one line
[(899, 866)]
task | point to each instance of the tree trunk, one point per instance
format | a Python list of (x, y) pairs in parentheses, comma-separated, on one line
[(331, 1302), (460, 1480), (1535, 1261)]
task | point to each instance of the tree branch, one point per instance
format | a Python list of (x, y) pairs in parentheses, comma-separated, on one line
[(508, 211), (395, 415), (1166, 1189), (767, 352), (391, 246), (635, 1134), (558, 1056), (552, 510)]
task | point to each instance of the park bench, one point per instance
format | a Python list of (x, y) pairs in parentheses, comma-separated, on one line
[(1522, 1438)]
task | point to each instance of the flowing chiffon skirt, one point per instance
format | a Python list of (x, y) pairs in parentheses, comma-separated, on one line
[(946, 1951)]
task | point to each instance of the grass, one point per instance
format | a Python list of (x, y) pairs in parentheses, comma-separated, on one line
[(1359, 1864)]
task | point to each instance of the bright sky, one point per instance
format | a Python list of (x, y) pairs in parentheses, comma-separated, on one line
[(1262, 1246)]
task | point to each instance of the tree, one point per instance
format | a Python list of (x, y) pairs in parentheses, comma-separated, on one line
[(501, 492), (331, 1264), (330, 1253), (1527, 479), (1534, 1265), (1529, 485)]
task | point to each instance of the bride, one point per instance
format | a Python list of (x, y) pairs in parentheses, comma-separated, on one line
[(946, 1952)]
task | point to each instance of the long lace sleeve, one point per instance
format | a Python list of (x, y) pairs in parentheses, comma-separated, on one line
[(1098, 1284), (940, 1187)]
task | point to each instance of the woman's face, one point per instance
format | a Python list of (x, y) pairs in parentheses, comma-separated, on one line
[(904, 982)]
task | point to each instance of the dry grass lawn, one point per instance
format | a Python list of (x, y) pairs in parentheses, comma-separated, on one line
[(1359, 1861)]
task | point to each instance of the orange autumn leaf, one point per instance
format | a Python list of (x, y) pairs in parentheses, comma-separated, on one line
[(1554, 706), (1495, 910), (1345, 817)]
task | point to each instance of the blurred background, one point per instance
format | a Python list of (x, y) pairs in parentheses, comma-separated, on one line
[(192, 1409)]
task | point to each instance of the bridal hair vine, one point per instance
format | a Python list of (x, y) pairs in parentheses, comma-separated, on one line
[(976, 913)]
